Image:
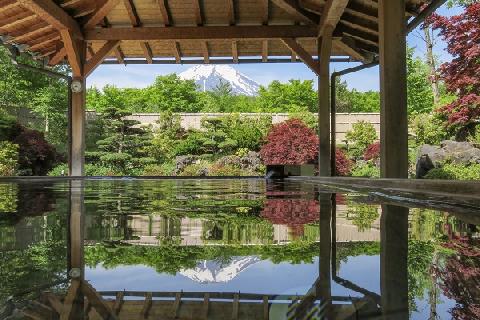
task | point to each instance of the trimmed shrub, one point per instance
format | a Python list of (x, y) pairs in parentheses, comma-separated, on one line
[(342, 163), (36, 156), (366, 169), (290, 142), (455, 172), (372, 152), (361, 136), (90, 170), (8, 158)]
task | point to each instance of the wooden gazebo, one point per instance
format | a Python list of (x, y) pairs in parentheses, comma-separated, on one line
[(87, 33)]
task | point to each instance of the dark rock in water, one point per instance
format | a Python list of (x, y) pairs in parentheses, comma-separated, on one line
[(461, 153)]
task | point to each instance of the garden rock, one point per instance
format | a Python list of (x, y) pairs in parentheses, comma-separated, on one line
[(181, 162), (250, 162)]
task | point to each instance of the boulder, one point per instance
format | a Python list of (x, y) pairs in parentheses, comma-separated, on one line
[(461, 152), (183, 161)]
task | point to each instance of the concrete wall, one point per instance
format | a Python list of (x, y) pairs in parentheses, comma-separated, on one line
[(193, 120)]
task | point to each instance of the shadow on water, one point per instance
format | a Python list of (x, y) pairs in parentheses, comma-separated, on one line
[(240, 249)]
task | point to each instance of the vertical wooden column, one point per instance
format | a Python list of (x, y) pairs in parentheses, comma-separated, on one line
[(393, 262), (324, 288), (393, 87), (324, 49)]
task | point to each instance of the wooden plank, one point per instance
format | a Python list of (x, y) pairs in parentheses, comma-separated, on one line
[(119, 55), (7, 5), (118, 302), (177, 52), (98, 58), (102, 308), (231, 12), (73, 52), (44, 42), (350, 50), (332, 11), (17, 19), (206, 302), (54, 15), (302, 54), (293, 8), (53, 301), (165, 12), (147, 305), (206, 53), (69, 300), (176, 305), (235, 305), (265, 51), (235, 51), (147, 51), (35, 31), (132, 13), (266, 12), (201, 33), (266, 308), (358, 34), (103, 8)]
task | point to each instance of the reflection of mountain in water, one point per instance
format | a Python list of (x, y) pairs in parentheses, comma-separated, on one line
[(216, 272)]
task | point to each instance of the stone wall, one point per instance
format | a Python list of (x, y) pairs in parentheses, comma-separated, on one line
[(193, 120)]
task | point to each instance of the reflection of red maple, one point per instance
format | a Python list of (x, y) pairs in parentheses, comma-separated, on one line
[(291, 212), (459, 278)]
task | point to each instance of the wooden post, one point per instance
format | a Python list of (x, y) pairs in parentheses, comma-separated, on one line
[(77, 127), (324, 285), (393, 262), (324, 49), (393, 87)]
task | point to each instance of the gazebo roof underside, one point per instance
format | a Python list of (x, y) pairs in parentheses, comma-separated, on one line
[(208, 31)]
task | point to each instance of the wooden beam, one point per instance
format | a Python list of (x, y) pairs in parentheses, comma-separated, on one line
[(118, 303), (359, 23), (177, 52), (75, 57), (235, 306), (98, 58), (59, 56), (265, 50), (349, 49), (54, 15), (206, 53), (17, 19), (147, 305), (235, 51), (266, 309), (103, 8), (294, 9), (70, 297), (358, 34), (201, 33), (198, 12), (132, 13), (293, 57), (34, 31), (266, 12), (206, 302), (176, 305), (302, 54), (165, 12), (100, 306), (147, 51), (332, 11), (119, 54), (44, 41), (7, 5), (231, 12)]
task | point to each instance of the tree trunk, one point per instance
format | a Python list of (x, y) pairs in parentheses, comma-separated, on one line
[(432, 66)]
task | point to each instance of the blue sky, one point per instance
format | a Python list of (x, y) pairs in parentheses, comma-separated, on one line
[(143, 75)]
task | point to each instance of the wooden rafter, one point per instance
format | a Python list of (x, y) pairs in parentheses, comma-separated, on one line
[(147, 305), (363, 11), (132, 13), (119, 55), (44, 41), (73, 51), (201, 33), (349, 49), (147, 52), (359, 23), (198, 12), (54, 15), (359, 34), (118, 302), (7, 5), (293, 58), (165, 12), (206, 53), (57, 57), (37, 29), (235, 51), (231, 12), (265, 51), (332, 11), (266, 12), (103, 8), (294, 9), (177, 52), (101, 307), (293, 45), (98, 58), (17, 19)]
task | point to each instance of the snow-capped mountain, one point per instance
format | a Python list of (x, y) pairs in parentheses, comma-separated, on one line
[(215, 272), (207, 77)]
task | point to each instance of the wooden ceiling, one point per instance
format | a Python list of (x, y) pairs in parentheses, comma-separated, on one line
[(187, 31)]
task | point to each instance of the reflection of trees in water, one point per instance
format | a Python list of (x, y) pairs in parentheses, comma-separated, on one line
[(362, 215), (294, 213)]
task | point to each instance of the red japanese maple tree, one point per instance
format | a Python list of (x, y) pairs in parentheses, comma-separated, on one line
[(461, 75)]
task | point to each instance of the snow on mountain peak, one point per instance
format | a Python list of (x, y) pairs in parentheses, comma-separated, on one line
[(207, 77)]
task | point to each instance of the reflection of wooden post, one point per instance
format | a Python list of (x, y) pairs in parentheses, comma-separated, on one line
[(324, 290), (393, 262), (76, 246), (393, 87)]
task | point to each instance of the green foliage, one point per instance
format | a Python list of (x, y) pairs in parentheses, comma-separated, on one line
[(164, 169), (8, 197), (420, 258), (8, 158), (91, 170), (362, 215), (293, 96), (451, 171), (475, 138), (420, 94), (366, 169), (308, 118), (427, 129), (360, 137), (355, 101)]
